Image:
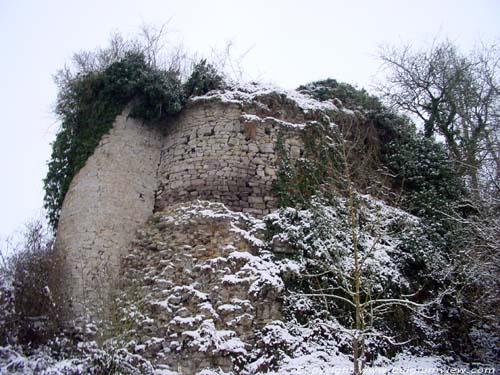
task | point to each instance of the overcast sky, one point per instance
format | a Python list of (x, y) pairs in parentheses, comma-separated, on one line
[(289, 43)]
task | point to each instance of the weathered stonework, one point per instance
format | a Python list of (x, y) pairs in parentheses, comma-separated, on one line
[(196, 288), (216, 150), (109, 198)]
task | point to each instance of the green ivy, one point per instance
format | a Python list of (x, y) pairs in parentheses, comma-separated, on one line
[(88, 104), (299, 180), (431, 187), (422, 172), (350, 96), (203, 79), (90, 99)]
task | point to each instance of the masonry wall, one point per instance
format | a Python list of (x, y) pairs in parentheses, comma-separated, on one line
[(217, 152), (188, 269), (213, 151), (109, 198)]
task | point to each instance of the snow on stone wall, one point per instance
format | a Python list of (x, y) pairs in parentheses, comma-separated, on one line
[(215, 150), (220, 153), (197, 287)]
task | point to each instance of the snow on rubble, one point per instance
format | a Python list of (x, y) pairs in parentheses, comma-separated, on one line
[(250, 267), (250, 91)]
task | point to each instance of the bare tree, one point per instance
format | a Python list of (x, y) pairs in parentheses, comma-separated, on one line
[(351, 279), (456, 96), (31, 313), (363, 300)]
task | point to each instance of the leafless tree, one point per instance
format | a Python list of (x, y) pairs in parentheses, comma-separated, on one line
[(29, 275), (456, 96), (354, 285)]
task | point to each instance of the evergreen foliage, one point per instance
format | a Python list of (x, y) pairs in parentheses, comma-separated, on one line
[(90, 99), (299, 180), (204, 78), (350, 96), (422, 173), (400, 257), (88, 104), (422, 169), (425, 173), (420, 177)]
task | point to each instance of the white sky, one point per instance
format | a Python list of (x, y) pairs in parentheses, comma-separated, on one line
[(291, 42)]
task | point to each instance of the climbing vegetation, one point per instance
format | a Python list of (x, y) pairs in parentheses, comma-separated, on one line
[(203, 79), (102, 84), (392, 159), (405, 198)]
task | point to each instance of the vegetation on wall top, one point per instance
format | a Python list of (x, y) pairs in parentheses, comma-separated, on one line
[(350, 96), (377, 152), (102, 85), (362, 263), (389, 157)]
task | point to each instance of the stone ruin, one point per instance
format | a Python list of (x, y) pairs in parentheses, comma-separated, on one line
[(128, 237)]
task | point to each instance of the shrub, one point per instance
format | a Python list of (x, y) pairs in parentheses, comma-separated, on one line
[(31, 314), (426, 175), (350, 96), (86, 358), (159, 96), (91, 97), (203, 79), (422, 173), (399, 258), (88, 104)]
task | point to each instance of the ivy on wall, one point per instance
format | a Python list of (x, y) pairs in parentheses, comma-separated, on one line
[(421, 172), (90, 99)]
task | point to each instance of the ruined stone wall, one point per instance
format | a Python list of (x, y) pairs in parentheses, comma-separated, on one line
[(217, 152), (196, 291), (109, 198)]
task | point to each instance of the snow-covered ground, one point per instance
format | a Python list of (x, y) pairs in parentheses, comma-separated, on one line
[(96, 361), (317, 347)]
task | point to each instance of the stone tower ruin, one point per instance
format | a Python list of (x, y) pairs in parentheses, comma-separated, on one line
[(218, 149)]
